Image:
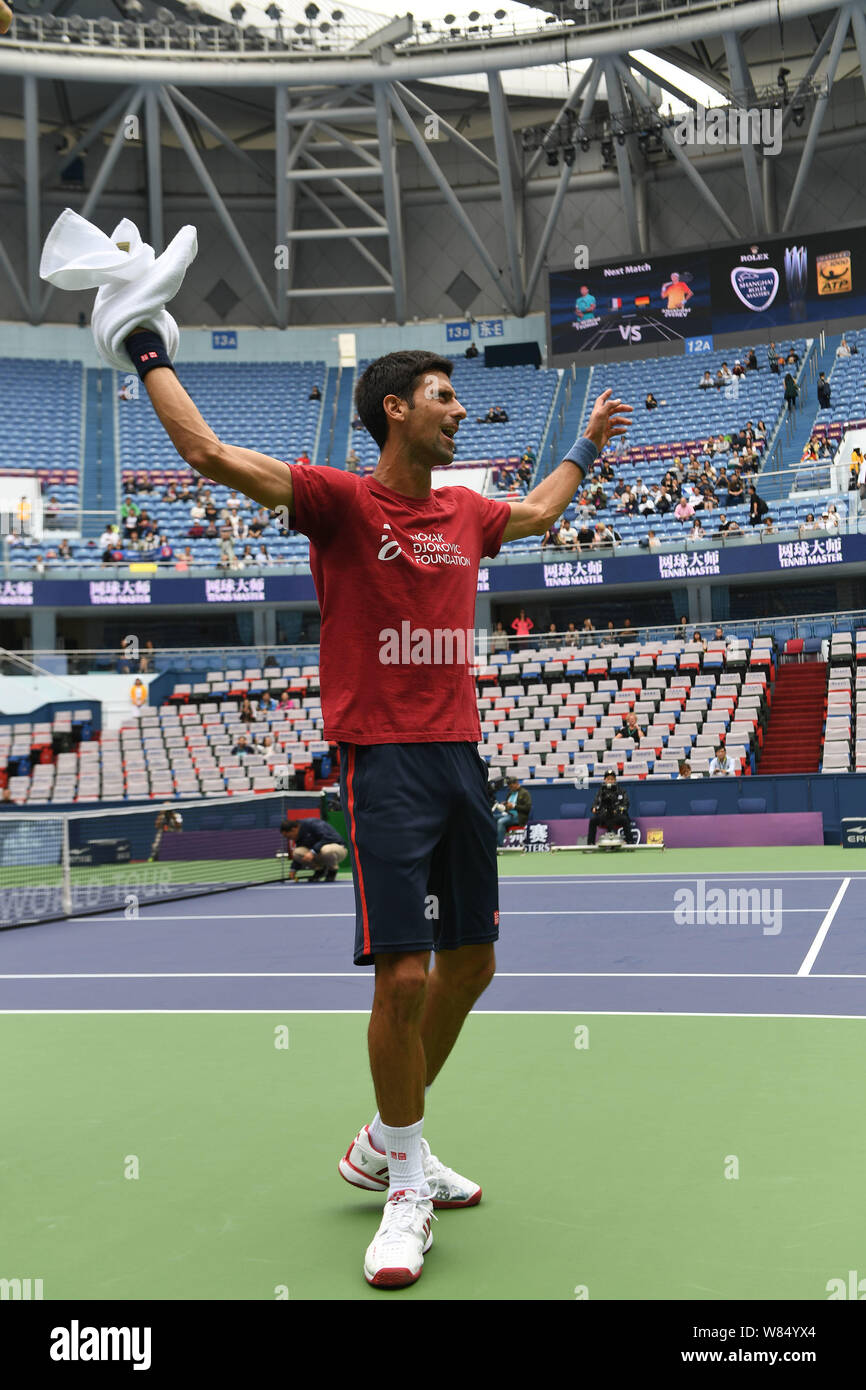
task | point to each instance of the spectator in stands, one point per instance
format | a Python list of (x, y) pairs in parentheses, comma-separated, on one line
[(651, 403), (831, 518), (524, 470), (683, 511), (142, 482), (567, 535), (719, 634), (196, 531), (129, 514), (722, 480), (499, 639), (262, 556), (247, 560), (599, 498), (170, 494), (146, 525), (110, 538), (147, 656), (792, 391), (652, 541), (138, 693), (246, 713), (303, 457), (550, 538), (823, 390), (768, 529), (315, 394), (736, 489), (286, 701), (471, 351), (211, 511), (63, 551), (682, 628), (810, 453), (165, 550), (809, 526), (630, 730), (259, 524), (515, 810), (760, 430), (843, 350), (857, 455), (585, 535), (757, 507), (522, 626), (726, 527), (357, 422), (738, 368), (610, 809), (352, 461), (185, 559), (706, 382), (793, 358), (685, 771), (242, 747), (491, 418), (723, 376), (627, 502), (606, 471), (773, 358), (572, 636), (604, 537), (697, 531), (721, 765), (751, 361), (709, 501), (587, 633), (661, 497)]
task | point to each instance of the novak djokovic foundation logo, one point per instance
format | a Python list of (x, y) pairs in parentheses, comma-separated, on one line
[(705, 906), (428, 548)]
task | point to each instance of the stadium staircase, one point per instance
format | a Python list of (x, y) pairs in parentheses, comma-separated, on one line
[(99, 463), (792, 741), (340, 417), (566, 427)]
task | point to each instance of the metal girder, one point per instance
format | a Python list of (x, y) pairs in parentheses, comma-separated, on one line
[(110, 158), (153, 156), (663, 82), (391, 195), (338, 230), (816, 122), (592, 75), (111, 112), (685, 163), (450, 197), (326, 291), (505, 154), (741, 83), (411, 99), (31, 174), (356, 171), (814, 64), (616, 104), (284, 208), (350, 232), (447, 60), (205, 121), (348, 144), (219, 206), (347, 192), (859, 25)]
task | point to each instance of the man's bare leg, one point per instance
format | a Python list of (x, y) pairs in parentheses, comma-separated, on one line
[(457, 980), (394, 1036)]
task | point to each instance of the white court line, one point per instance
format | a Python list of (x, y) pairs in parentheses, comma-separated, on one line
[(813, 950), (319, 916), (356, 975), (477, 1013)]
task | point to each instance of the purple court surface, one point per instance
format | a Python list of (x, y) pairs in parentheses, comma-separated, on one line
[(769, 944)]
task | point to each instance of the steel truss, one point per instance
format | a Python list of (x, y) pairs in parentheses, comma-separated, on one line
[(336, 146)]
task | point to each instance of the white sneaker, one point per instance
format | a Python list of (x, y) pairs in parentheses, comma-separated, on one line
[(395, 1258), (366, 1166)]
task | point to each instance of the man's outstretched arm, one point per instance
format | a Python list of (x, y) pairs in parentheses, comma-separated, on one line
[(267, 480)]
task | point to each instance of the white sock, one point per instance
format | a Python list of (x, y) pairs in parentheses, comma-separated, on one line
[(405, 1165), (377, 1135)]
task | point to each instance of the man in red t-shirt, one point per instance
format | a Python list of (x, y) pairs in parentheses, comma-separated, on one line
[(395, 563)]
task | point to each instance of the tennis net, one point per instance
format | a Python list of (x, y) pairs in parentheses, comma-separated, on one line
[(82, 862)]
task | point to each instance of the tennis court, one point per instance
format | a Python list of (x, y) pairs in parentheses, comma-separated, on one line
[(658, 1104)]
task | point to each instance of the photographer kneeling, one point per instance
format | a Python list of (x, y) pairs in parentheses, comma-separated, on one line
[(316, 846)]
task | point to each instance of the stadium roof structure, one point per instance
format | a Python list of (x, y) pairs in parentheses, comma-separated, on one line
[(332, 95)]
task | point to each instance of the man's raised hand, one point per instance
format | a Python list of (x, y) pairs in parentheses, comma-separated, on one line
[(5, 17), (609, 418)]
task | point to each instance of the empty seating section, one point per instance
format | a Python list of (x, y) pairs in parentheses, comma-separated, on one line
[(42, 425), (526, 393), (553, 715), (844, 747), (32, 765)]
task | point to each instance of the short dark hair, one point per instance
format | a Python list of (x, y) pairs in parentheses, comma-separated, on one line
[(609, 774), (395, 374), (289, 825)]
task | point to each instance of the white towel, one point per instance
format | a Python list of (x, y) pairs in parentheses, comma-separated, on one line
[(133, 284)]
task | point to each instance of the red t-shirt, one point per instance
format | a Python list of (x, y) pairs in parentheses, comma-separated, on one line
[(396, 578)]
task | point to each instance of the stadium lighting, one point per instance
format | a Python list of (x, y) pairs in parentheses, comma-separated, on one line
[(473, 16), (311, 12), (568, 155), (798, 115), (552, 158), (498, 14), (338, 16), (584, 143), (274, 12), (238, 11), (620, 137), (449, 19)]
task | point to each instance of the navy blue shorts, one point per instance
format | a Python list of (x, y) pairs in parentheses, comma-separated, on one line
[(423, 847)]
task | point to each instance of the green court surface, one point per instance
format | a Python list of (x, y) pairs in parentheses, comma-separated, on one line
[(607, 1168)]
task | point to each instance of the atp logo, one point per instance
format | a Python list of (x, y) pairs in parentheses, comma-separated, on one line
[(389, 548)]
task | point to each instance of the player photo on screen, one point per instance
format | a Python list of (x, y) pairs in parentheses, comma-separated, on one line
[(630, 303)]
